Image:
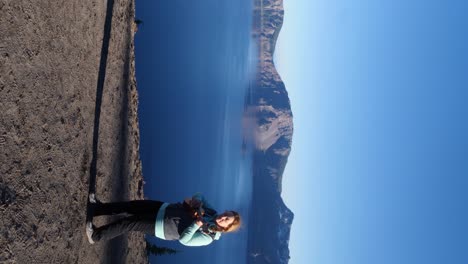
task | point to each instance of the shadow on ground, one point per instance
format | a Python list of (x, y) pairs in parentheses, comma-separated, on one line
[(115, 248)]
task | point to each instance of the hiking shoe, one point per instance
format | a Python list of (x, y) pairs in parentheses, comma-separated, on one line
[(90, 231), (92, 199)]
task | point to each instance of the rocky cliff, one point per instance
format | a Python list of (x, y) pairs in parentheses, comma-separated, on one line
[(271, 219), (270, 98)]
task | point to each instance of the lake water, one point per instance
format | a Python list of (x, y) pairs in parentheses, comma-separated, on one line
[(194, 63)]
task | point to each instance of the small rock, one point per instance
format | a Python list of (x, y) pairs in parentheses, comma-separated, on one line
[(7, 195)]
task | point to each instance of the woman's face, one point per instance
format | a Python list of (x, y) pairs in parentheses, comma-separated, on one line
[(226, 219)]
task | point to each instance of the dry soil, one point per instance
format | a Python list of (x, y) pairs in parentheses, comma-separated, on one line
[(67, 95)]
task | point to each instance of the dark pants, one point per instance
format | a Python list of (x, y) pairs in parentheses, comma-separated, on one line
[(142, 218)]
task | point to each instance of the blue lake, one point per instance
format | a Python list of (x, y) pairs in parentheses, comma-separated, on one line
[(194, 63)]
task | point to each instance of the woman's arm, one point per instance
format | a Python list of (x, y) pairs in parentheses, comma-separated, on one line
[(190, 237)]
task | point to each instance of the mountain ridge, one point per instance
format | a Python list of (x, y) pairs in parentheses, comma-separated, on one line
[(271, 219)]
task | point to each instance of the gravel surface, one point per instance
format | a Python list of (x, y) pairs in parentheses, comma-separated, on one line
[(67, 98)]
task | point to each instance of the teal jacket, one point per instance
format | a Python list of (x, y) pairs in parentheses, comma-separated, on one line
[(192, 235)]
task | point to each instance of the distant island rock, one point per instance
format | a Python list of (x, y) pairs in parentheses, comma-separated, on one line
[(270, 221)]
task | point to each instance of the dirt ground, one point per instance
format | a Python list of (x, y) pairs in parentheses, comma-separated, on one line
[(68, 114)]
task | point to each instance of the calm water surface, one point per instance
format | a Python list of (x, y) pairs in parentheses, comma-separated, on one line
[(193, 62)]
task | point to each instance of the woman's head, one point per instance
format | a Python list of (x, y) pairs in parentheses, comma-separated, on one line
[(228, 221)]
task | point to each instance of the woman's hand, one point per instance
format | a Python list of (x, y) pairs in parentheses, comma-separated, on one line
[(195, 207), (199, 221)]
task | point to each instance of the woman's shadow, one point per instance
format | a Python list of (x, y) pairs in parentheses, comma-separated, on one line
[(115, 248)]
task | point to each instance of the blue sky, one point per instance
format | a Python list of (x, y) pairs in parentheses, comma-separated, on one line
[(378, 171)]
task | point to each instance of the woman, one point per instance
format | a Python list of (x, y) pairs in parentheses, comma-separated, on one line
[(193, 222)]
